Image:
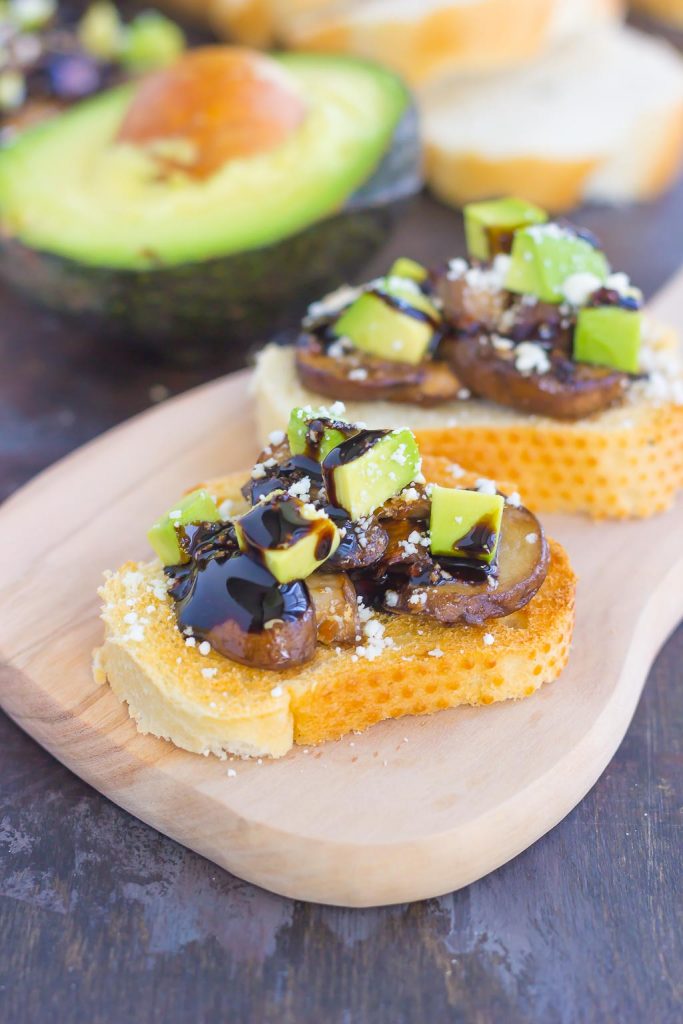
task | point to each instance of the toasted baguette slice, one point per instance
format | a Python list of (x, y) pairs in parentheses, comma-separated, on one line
[(669, 12), (420, 39), (599, 117), (209, 704), (625, 462)]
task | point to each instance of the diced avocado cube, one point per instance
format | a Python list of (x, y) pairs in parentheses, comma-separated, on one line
[(369, 468), (409, 269), (297, 434), (545, 255), (490, 225), (394, 320), (100, 31), (290, 537), (196, 507), (151, 41), (465, 524), (608, 336)]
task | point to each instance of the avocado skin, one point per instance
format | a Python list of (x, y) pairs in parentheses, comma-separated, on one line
[(184, 310)]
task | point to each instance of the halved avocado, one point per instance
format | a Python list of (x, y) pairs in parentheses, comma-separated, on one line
[(86, 228)]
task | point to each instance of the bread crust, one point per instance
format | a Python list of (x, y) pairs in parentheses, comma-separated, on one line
[(209, 704)]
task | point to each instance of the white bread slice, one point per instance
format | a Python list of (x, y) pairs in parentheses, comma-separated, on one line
[(418, 38), (209, 704), (599, 117), (669, 12), (627, 461)]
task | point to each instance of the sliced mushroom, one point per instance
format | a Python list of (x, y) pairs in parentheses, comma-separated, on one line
[(567, 391), (361, 377), (412, 503), (336, 609), (361, 545), (407, 551), (523, 560), (465, 304), (241, 609)]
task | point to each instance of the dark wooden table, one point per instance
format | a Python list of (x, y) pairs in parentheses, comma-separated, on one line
[(104, 920)]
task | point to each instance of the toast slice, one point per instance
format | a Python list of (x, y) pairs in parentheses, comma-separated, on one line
[(209, 704), (420, 39), (598, 117), (627, 461)]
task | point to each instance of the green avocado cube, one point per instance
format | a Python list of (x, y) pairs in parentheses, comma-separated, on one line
[(409, 269), (297, 433), (290, 537), (545, 255), (196, 507), (100, 30), (151, 41), (465, 524), (369, 468), (609, 336), (490, 225), (394, 321)]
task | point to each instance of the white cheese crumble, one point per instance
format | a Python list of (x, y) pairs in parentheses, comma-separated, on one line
[(436, 652), (259, 471), (276, 437), (231, 773), (485, 486), (225, 509), (391, 598), (489, 639), (277, 691), (300, 488), (531, 358), (578, 288), (531, 538), (514, 499), (204, 648), (209, 673), (190, 641), (463, 394), (358, 373), (334, 301)]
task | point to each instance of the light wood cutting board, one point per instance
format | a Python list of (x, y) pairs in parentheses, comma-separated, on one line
[(410, 809)]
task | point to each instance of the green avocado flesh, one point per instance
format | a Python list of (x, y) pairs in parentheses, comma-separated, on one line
[(196, 507), (66, 189), (544, 256), (488, 224), (362, 482), (297, 431), (465, 524), (608, 336), (383, 329), (291, 539)]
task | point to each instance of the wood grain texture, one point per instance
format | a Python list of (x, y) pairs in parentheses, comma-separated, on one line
[(102, 919)]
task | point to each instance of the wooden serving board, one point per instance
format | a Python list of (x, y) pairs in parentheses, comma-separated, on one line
[(410, 809)]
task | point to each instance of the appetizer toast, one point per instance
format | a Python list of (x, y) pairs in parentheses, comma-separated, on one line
[(531, 360), (371, 659)]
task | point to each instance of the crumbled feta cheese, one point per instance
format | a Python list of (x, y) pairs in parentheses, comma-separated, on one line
[(225, 509), (578, 288), (231, 773), (531, 538), (489, 639), (463, 394), (531, 358), (456, 268), (390, 598), (130, 617), (204, 648), (358, 373), (259, 471), (190, 641), (338, 409), (419, 597), (514, 499), (276, 437), (485, 486), (209, 673), (399, 455), (301, 488), (334, 302), (277, 691), (435, 653)]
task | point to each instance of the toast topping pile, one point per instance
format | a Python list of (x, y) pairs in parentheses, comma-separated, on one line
[(47, 64), (534, 319), (341, 524)]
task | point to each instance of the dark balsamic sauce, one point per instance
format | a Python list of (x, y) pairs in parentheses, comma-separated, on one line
[(241, 590), (403, 306), (479, 542), (315, 431), (282, 476)]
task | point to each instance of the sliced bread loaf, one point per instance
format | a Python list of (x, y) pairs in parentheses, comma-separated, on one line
[(599, 117)]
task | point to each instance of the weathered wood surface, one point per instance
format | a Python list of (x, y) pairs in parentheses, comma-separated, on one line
[(101, 919)]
